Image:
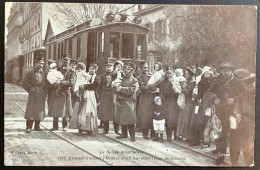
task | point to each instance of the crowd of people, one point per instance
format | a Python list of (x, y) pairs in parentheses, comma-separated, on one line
[(195, 104)]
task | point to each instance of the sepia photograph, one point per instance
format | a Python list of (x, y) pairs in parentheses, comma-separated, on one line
[(105, 84)]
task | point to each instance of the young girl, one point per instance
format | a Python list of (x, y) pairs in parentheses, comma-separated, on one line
[(178, 85), (158, 119), (55, 76)]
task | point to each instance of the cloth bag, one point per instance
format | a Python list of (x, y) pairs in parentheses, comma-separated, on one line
[(213, 128)]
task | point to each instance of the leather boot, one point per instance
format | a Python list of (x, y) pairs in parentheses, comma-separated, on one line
[(116, 128), (169, 134), (161, 137), (145, 133), (124, 132), (132, 132), (37, 125), (152, 134), (106, 127), (155, 137)]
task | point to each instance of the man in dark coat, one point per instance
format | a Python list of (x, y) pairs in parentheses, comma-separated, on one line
[(146, 106), (226, 88), (126, 93), (35, 84), (61, 106), (242, 138), (106, 108)]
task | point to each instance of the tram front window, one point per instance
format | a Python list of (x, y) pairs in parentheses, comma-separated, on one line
[(114, 44), (128, 46), (140, 46)]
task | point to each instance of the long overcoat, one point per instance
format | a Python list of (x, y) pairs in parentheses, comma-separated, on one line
[(61, 106), (146, 105), (185, 114), (170, 107), (126, 113), (106, 108), (35, 84)]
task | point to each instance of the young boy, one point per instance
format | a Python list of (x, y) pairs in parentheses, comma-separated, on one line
[(55, 76), (158, 119)]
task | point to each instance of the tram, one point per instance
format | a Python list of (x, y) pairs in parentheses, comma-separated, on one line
[(25, 63), (97, 40)]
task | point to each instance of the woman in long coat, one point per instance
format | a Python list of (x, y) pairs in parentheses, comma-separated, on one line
[(184, 123), (170, 107), (35, 84)]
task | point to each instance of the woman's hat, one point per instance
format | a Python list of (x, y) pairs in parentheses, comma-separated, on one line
[(156, 98), (241, 73), (81, 66), (52, 65)]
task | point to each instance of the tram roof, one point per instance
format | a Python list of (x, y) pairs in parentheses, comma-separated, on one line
[(89, 25)]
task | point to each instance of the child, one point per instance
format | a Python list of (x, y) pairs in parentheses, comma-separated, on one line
[(118, 71), (158, 75), (178, 85), (158, 119), (55, 76)]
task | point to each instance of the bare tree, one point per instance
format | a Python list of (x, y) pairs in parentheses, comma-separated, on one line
[(76, 13)]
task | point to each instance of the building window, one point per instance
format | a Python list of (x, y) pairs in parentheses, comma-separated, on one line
[(160, 30), (79, 47), (39, 19), (101, 44), (151, 32)]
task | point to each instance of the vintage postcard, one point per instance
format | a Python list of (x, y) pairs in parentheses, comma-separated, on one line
[(91, 84)]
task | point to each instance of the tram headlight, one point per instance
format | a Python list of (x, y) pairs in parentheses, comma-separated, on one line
[(137, 20), (123, 17), (110, 17)]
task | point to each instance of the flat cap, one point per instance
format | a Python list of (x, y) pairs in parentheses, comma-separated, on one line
[(51, 61), (73, 61)]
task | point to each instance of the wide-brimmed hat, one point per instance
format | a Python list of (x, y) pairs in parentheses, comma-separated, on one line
[(119, 62), (81, 66), (241, 73)]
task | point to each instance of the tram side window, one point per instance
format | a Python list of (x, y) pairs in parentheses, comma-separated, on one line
[(54, 51), (78, 46), (70, 47), (140, 46), (59, 51), (128, 45), (101, 44), (114, 44)]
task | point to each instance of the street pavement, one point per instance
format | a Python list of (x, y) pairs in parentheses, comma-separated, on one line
[(45, 148)]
